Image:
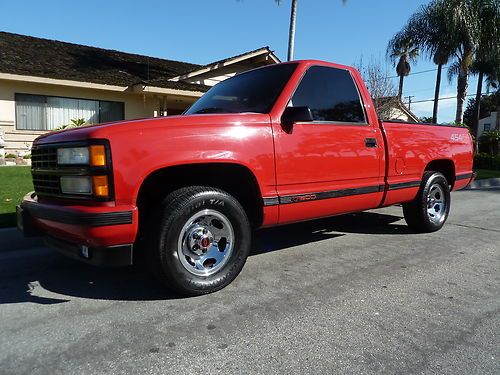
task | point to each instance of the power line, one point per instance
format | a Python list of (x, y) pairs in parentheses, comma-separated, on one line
[(421, 72), (446, 98)]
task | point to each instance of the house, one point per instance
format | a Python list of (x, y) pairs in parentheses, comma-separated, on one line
[(392, 108), (44, 84), (492, 122)]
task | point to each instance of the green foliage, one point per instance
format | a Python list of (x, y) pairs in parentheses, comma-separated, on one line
[(27, 156), (10, 156), (491, 139), (75, 123), (464, 31), (492, 135), (489, 104), (486, 161), (426, 119)]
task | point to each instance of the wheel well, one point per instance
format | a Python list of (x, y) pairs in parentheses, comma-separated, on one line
[(235, 179), (444, 166)]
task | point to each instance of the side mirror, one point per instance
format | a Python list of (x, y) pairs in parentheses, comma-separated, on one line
[(292, 115)]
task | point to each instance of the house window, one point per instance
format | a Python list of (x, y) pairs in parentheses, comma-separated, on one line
[(487, 127), (39, 112)]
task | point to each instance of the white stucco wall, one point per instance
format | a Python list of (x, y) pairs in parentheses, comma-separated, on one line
[(492, 120), (137, 105)]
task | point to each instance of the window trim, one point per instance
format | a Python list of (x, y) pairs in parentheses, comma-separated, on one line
[(319, 122), (62, 97)]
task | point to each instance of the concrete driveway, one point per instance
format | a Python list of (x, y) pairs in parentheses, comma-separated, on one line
[(352, 294)]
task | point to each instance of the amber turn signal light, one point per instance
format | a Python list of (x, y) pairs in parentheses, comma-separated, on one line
[(97, 156), (100, 186)]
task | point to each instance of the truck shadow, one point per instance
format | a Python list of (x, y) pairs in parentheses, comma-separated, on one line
[(36, 275)]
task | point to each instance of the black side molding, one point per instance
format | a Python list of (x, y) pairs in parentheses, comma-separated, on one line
[(466, 176), (405, 185), (313, 196)]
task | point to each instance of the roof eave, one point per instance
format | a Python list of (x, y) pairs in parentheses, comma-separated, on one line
[(217, 65)]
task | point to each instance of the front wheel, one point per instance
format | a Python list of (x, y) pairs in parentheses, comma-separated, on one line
[(429, 210), (202, 242)]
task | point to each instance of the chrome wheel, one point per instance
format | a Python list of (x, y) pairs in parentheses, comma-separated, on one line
[(436, 204), (205, 243)]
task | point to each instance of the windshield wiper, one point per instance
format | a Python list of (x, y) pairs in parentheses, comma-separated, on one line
[(212, 110)]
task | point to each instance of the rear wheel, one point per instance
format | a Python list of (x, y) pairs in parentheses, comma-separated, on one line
[(202, 241), (429, 210)]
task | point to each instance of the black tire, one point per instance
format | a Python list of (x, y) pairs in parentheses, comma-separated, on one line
[(416, 212), (175, 212)]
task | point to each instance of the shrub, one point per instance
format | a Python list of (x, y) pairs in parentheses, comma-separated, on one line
[(486, 161), (10, 156), (27, 156), (491, 140), (75, 123)]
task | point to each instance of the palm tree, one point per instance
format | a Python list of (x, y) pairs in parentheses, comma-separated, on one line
[(291, 34), (463, 22), (487, 58), (402, 50), (426, 30), (453, 29)]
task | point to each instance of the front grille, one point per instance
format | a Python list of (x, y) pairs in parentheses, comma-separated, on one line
[(43, 157), (46, 184), (47, 173)]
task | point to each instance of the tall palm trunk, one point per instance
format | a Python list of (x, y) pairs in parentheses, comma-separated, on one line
[(462, 83), (291, 35), (400, 92), (436, 94), (477, 109)]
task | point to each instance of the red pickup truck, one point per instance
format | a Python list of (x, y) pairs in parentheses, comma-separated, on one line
[(276, 145)]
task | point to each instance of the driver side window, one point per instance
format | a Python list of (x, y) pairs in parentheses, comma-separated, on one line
[(331, 94)]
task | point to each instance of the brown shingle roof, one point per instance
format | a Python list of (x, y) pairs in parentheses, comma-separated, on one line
[(26, 55)]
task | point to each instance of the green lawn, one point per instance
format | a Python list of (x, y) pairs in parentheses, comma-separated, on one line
[(485, 173), (15, 182)]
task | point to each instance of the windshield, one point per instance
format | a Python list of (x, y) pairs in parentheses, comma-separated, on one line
[(254, 91)]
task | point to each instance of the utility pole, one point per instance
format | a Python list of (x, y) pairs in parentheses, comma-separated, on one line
[(291, 35), (409, 101)]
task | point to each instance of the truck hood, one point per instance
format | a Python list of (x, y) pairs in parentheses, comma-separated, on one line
[(159, 124)]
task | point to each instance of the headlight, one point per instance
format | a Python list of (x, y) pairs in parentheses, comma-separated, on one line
[(94, 155), (73, 155), (76, 184)]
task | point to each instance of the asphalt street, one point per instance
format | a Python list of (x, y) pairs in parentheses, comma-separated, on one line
[(353, 294)]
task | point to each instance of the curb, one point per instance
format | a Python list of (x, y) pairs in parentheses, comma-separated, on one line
[(487, 183), (12, 239)]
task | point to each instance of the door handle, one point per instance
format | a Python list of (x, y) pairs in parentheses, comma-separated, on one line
[(370, 142)]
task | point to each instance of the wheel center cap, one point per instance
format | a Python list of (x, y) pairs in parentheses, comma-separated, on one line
[(205, 242)]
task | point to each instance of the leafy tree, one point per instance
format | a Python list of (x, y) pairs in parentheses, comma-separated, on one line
[(427, 120), (380, 86), (492, 138), (489, 104)]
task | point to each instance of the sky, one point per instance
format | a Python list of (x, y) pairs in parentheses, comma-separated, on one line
[(201, 31)]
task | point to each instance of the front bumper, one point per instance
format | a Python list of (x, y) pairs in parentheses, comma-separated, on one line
[(102, 235)]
